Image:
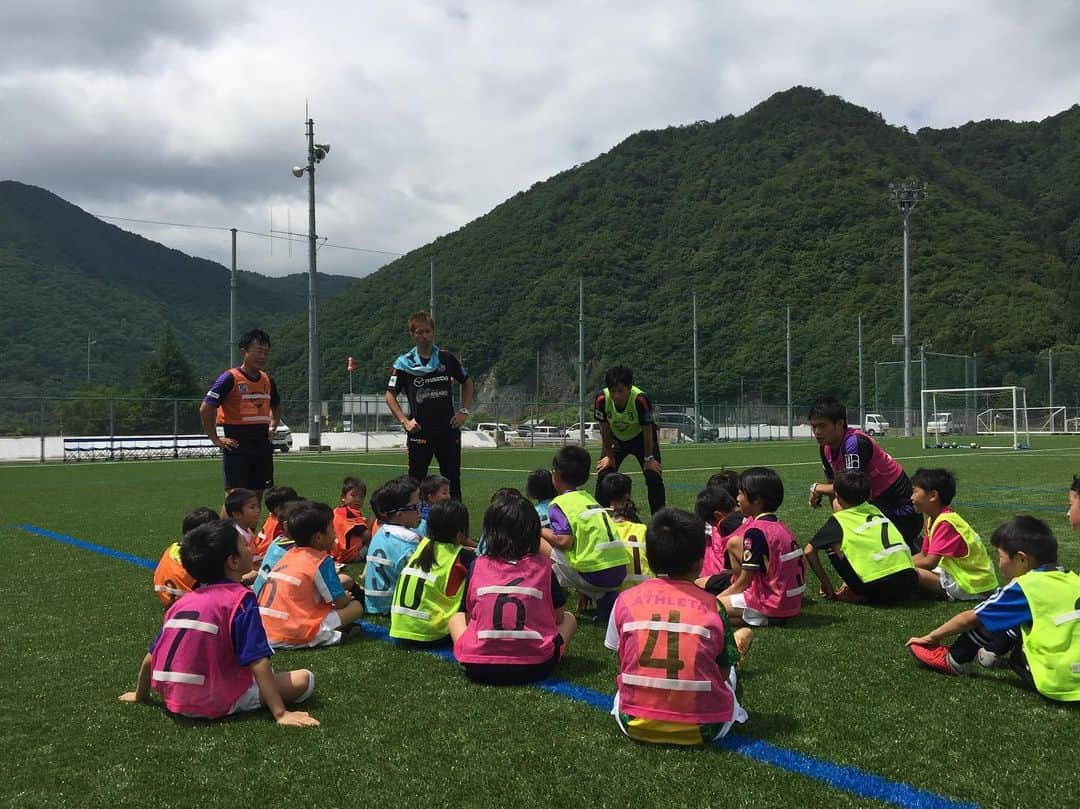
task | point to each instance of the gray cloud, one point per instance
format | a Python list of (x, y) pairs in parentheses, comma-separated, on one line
[(189, 111)]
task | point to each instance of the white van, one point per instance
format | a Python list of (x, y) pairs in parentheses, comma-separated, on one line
[(875, 424), (492, 428)]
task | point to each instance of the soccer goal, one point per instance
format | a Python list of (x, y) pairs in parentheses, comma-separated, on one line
[(987, 418)]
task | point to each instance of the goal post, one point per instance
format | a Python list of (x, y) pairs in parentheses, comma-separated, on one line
[(988, 418)]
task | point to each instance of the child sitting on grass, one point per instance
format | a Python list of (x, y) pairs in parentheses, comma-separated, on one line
[(277, 498), (865, 548), (728, 480), (433, 489), (432, 584), (677, 653), (540, 489), (1035, 616), (770, 585), (512, 628), (953, 562), (723, 551), (615, 489), (212, 658), (585, 550), (351, 534), (170, 579), (304, 602), (397, 506)]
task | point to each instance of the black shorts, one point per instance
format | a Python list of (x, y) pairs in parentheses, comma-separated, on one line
[(510, 674), (249, 466), (886, 590)]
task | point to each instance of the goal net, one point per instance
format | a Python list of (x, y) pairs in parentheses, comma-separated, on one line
[(988, 418)]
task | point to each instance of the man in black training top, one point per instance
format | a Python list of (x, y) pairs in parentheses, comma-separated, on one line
[(627, 428), (424, 374)]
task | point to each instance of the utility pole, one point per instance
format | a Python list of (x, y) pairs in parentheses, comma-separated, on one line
[(906, 195), (431, 303), (581, 357), (862, 408), (89, 343), (316, 153), (1051, 358), (234, 358)]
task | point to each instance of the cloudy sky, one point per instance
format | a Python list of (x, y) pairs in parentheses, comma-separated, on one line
[(192, 111)]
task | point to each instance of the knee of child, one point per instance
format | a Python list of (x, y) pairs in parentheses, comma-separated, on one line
[(346, 581)]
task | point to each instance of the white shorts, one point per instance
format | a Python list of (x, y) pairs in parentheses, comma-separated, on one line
[(952, 589), (750, 616), (568, 577), (251, 701), (328, 634)]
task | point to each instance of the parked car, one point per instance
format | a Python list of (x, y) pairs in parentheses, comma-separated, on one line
[(282, 439), (942, 424), (592, 431), (684, 423), (547, 435), (492, 428), (875, 424)]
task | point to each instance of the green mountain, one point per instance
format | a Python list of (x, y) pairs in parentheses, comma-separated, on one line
[(67, 275), (785, 205)]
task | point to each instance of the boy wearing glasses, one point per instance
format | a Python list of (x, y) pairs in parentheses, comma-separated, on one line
[(397, 506)]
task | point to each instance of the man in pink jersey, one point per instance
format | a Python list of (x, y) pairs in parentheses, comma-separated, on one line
[(845, 448), (677, 654), (212, 658)]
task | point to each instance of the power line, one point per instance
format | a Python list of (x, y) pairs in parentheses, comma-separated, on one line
[(287, 237)]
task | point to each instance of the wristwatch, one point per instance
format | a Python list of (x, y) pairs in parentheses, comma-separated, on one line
[(463, 411), (649, 458), (813, 489)]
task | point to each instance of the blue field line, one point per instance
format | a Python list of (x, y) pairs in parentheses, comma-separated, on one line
[(87, 546), (839, 776)]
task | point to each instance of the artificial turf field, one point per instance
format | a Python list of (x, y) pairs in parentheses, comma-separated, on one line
[(403, 727)]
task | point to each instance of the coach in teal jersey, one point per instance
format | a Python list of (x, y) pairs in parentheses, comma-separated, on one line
[(627, 428)]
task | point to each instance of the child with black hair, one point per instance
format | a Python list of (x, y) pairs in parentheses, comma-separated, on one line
[(585, 551), (304, 601), (498, 496), (953, 562), (723, 551), (277, 498), (433, 489), (170, 579), (351, 533), (615, 491), (397, 506), (865, 548), (686, 695), (540, 489), (1034, 617), (728, 480), (432, 584), (512, 628), (243, 508), (770, 585), (212, 658)]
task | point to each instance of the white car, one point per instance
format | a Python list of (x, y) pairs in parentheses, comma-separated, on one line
[(282, 439), (592, 431), (492, 428), (875, 424)]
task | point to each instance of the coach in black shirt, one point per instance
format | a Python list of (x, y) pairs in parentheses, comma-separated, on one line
[(424, 374)]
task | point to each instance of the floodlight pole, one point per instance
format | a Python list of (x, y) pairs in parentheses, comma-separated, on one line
[(906, 195), (431, 302), (862, 408), (89, 342), (314, 407), (1050, 356), (789, 425), (697, 411)]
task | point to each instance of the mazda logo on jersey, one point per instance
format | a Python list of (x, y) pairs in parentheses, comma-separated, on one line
[(418, 382)]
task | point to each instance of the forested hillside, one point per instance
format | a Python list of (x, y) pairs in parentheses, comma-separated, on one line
[(66, 274), (784, 205)]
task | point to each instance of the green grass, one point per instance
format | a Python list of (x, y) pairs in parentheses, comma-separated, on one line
[(402, 727)]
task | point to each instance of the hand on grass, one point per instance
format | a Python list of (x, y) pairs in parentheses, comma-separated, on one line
[(925, 640), (131, 696), (298, 719)]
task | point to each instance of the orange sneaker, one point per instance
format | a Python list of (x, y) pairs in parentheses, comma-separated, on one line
[(938, 659)]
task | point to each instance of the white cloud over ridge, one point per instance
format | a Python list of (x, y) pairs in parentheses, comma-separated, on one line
[(194, 112)]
